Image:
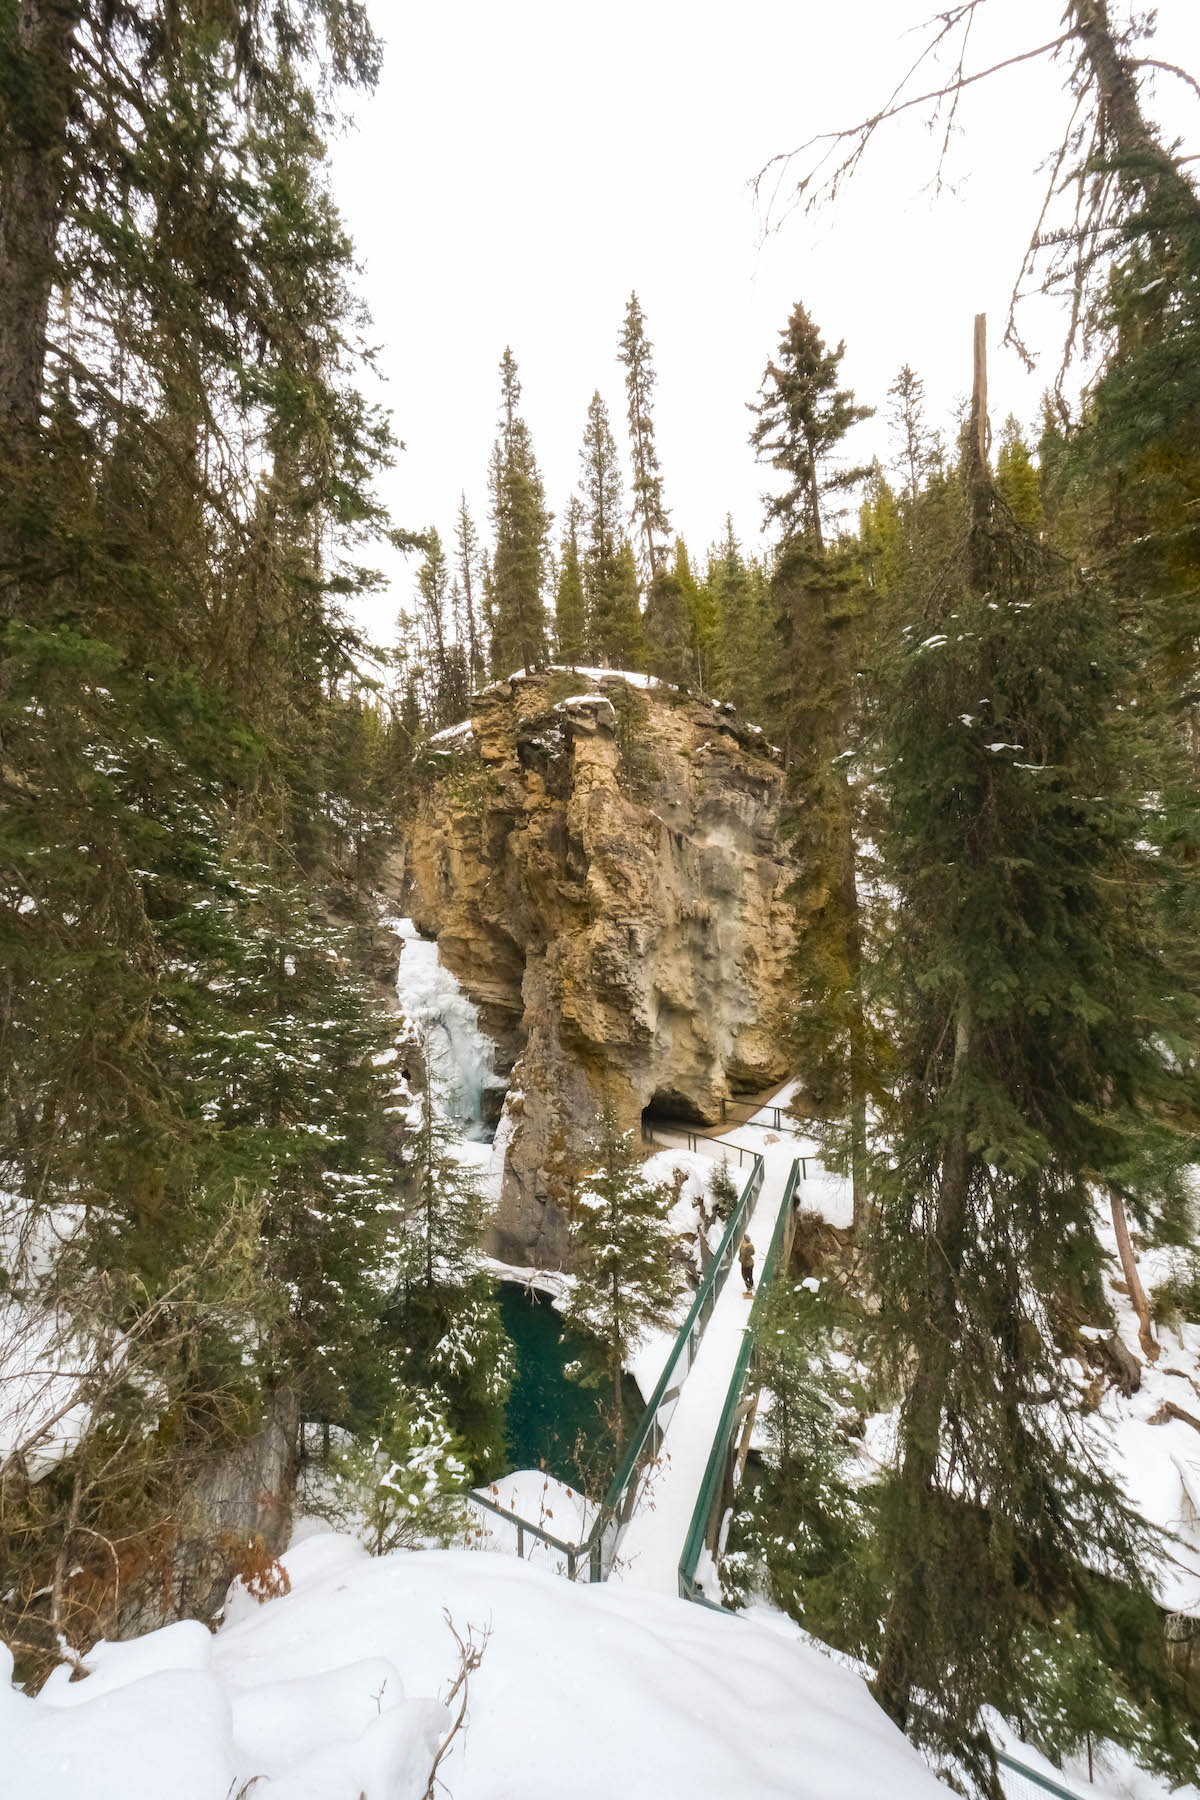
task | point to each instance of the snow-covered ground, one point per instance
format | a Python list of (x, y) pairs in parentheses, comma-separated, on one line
[(1156, 1457), (331, 1693)]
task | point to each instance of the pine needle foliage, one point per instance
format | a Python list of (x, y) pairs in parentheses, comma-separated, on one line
[(649, 514), (570, 602), (190, 803), (1044, 1049), (623, 1250), (443, 1313), (521, 523)]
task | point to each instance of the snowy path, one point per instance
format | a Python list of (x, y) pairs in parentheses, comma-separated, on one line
[(649, 1548)]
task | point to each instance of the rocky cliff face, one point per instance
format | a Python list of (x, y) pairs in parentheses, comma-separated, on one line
[(600, 867)]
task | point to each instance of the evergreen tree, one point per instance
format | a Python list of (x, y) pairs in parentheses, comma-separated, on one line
[(734, 599), (570, 608), (880, 535), (1017, 479), (186, 758), (1033, 985), (702, 619), (616, 622), (521, 524), (723, 1189), (649, 514), (803, 417), (469, 581), (600, 486), (622, 1249), (397, 1488), (669, 628), (444, 1311), (433, 586), (803, 1523), (918, 445)]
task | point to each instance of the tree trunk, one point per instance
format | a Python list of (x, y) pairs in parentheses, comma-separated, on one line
[(236, 1497), (858, 1031), (32, 186), (921, 1419), (1133, 1280), (618, 1396), (1116, 77)]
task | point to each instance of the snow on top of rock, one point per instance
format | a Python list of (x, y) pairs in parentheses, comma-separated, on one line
[(584, 700), (453, 733), (632, 676), (327, 1693)]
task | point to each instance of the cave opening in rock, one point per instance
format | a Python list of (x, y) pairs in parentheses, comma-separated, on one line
[(669, 1105)]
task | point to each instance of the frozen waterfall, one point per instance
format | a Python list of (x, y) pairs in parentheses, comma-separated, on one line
[(460, 1059)]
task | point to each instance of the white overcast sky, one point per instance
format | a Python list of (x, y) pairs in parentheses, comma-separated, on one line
[(525, 164)]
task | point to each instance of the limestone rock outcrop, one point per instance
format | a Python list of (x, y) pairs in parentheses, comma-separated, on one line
[(600, 865)]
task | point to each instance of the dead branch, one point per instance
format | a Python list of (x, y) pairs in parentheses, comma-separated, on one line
[(470, 1655), (1114, 160), (1169, 1410), (859, 135), (1133, 1280)]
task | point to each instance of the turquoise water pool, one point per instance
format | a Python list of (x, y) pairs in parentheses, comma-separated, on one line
[(552, 1422)]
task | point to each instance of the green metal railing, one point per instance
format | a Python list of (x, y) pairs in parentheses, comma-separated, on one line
[(699, 1143), (711, 1485), (741, 1112), (595, 1554), (646, 1442), (1017, 1779)]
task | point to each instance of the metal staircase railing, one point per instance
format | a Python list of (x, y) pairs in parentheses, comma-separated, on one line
[(594, 1555), (706, 1515), (1017, 1779)]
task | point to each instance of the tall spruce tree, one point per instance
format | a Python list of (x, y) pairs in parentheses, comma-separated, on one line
[(470, 579), (623, 1251), (648, 513), (521, 524), (433, 587), (803, 420), (613, 617), (733, 599), (1017, 479), (702, 619), (668, 628), (188, 1056), (917, 444), (1033, 988), (570, 604)]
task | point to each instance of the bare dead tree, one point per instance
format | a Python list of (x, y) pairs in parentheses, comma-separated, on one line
[(1109, 160)]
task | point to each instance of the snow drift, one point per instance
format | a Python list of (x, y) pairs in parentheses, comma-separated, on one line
[(327, 1693)]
